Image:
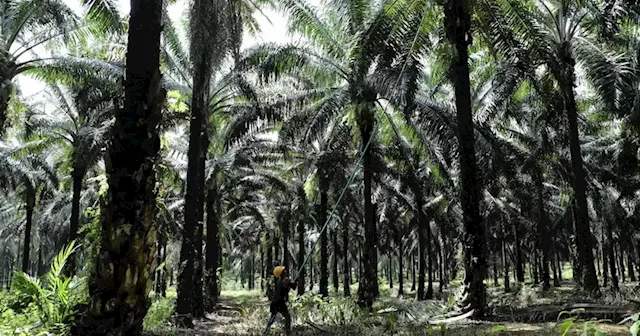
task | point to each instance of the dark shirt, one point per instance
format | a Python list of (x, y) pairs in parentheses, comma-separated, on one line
[(282, 288)]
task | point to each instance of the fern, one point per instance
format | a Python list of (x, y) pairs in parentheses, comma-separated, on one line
[(56, 299)]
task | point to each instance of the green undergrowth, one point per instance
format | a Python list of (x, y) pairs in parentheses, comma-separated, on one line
[(42, 305), (159, 315)]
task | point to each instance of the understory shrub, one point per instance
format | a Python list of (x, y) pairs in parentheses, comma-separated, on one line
[(46, 302), (159, 315)]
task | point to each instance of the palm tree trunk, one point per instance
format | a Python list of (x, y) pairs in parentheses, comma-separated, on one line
[(276, 248), (188, 253), (324, 242), (494, 265), (390, 269), (632, 274), (163, 271), (74, 222), (458, 24), (345, 256), (127, 260), (612, 258), (519, 262), (441, 274), (285, 242), (270, 264), (213, 243), (31, 203), (198, 274), (336, 248), (301, 256), (413, 271), (6, 87), (556, 266), (543, 234), (621, 261), (429, 294), (262, 268), (400, 263), (311, 257), (583, 231), (422, 245), (368, 286)]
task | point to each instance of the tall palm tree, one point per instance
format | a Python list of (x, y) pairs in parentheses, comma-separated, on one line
[(26, 173), (80, 123), (127, 262), (457, 20), (350, 81), (559, 35), (215, 31)]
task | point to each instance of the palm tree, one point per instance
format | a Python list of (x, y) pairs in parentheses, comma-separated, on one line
[(347, 82), (126, 266), (28, 25), (457, 19), (27, 173), (558, 35), (80, 124)]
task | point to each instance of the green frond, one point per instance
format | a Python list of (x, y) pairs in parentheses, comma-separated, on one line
[(79, 71), (306, 20), (104, 14), (606, 70)]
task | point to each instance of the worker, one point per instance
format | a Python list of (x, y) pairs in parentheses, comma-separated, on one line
[(280, 297)]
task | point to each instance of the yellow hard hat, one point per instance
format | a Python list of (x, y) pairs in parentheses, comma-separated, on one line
[(278, 270)]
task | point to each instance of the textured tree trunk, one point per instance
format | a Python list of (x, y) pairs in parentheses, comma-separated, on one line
[(620, 255), (368, 286), (583, 231), (213, 243), (554, 269), (336, 249), (390, 270), (276, 249), (285, 243), (534, 266), (400, 263), (74, 223), (495, 270), (127, 260), (441, 279), (187, 304), (429, 294), (559, 267), (505, 258), (638, 259), (519, 269), (543, 232), (251, 272), (6, 87), (199, 305), (311, 257), (422, 245), (263, 278), (324, 242), (270, 260), (632, 274), (612, 258), (301, 254), (345, 256), (413, 271), (30, 195), (458, 30)]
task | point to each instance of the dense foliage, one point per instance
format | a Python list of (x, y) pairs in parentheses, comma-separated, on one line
[(441, 143)]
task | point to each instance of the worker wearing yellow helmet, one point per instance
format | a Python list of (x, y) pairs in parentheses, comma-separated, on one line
[(280, 297)]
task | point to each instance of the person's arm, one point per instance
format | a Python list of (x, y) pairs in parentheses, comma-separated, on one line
[(291, 284)]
